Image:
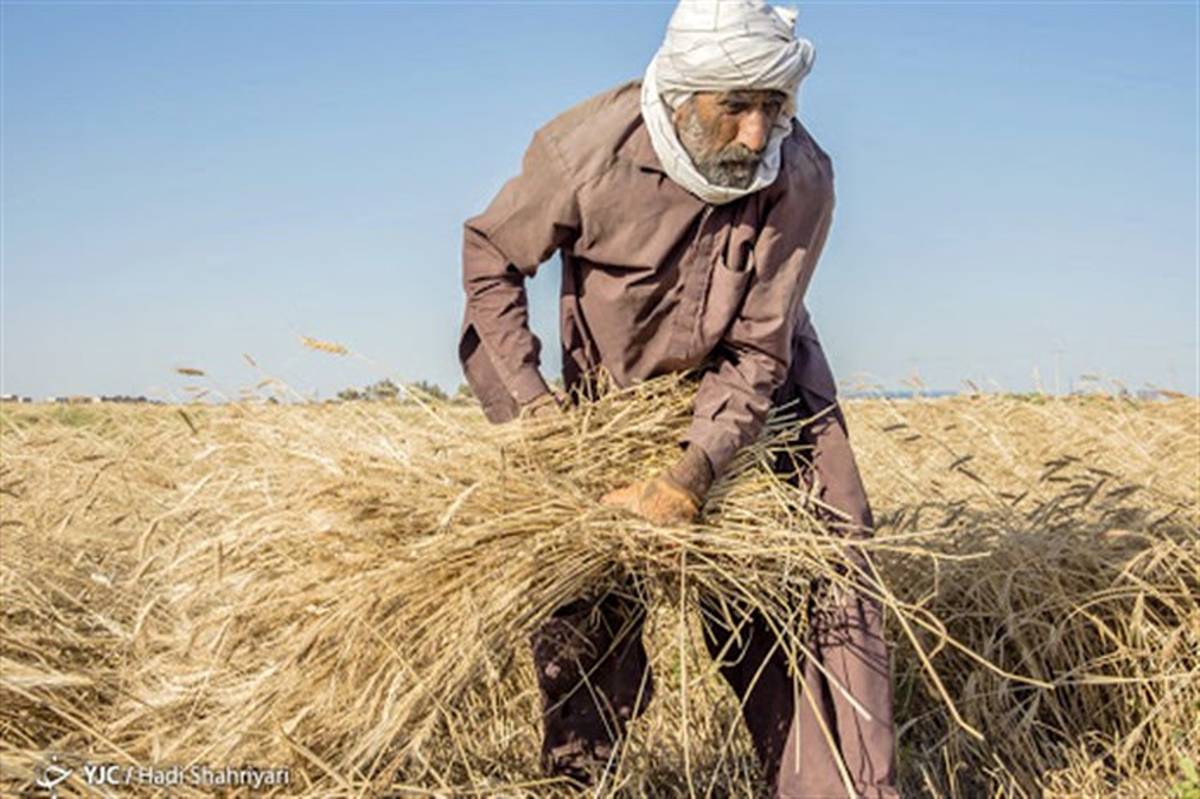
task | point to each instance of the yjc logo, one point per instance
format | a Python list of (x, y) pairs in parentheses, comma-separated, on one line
[(51, 775)]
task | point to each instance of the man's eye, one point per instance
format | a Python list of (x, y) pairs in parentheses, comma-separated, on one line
[(734, 107)]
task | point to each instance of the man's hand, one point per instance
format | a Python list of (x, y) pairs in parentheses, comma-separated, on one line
[(673, 497)]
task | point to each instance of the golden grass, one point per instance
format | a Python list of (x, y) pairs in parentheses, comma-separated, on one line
[(348, 589)]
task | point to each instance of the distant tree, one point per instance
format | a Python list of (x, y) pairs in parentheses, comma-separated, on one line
[(383, 389), (349, 394), (430, 389), (464, 393)]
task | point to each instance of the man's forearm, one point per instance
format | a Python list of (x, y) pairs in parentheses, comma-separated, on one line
[(731, 405), (497, 310)]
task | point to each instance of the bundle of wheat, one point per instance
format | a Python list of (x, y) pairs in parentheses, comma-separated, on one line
[(353, 603)]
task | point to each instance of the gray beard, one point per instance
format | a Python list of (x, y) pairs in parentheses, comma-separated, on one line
[(733, 167)]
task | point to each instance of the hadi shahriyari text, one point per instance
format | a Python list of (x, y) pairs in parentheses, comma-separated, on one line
[(198, 775)]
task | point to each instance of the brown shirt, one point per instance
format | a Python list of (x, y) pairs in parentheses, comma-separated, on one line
[(654, 279)]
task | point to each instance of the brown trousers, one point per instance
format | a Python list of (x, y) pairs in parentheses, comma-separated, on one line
[(791, 724)]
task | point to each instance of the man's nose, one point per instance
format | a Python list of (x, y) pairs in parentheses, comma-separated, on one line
[(753, 130)]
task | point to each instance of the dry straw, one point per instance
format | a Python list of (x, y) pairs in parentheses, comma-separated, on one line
[(348, 589)]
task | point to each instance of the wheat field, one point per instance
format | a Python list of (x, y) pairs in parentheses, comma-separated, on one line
[(345, 590)]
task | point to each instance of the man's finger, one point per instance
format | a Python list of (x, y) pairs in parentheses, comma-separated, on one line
[(624, 497)]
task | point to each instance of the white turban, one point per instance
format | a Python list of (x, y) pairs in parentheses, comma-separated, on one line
[(723, 45)]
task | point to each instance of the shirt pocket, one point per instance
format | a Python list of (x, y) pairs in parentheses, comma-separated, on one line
[(726, 290)]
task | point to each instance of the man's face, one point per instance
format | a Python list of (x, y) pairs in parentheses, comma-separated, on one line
[(726, 133)]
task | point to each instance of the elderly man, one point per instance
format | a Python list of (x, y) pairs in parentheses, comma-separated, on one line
[(689, 209)]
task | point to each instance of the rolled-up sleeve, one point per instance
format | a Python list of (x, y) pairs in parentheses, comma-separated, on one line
[(534, 214), (752, 359)]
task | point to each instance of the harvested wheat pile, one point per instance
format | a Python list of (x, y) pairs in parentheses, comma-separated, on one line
[(348, 589)]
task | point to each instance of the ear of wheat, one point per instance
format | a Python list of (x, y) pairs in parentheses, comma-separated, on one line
[(323, 346)]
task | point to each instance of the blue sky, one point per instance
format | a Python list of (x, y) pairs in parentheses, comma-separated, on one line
[(184, 183)]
